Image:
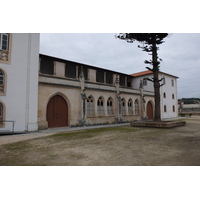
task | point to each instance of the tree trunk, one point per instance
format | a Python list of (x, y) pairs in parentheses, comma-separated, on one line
[(156, 82)]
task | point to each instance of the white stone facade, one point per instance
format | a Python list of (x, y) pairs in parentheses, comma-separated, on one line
[(112, 94), (20, 68), (168, 92), (35, 90)]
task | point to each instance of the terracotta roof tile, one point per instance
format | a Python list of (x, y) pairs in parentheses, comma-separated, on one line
[(149, 72), (142, 73)]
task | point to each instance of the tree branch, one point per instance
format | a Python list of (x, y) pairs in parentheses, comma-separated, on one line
[(149, 69), (148, 79), (161, 79)]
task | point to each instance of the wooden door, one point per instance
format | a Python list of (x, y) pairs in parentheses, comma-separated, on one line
[(150, 111), (57, 112)]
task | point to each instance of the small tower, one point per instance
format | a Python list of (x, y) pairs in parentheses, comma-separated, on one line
[(19, 61)]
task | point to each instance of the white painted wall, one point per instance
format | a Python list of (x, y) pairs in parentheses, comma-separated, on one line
[(167, 88), (21, 99)]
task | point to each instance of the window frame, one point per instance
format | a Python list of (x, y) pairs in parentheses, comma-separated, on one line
[(2, 114), (165, 108), (100, 106), (172, 82), (136, 106), (144, 81), (123, 106), (110, 106), (173, 108), (90, 106), (2, 40), (3, 84), (130, 107)]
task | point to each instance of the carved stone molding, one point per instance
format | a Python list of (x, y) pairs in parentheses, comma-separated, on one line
[(1, 88), (4, 55)]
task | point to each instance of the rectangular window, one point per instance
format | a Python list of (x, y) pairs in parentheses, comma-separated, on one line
[(163, 81), (144, 82), (129, 80), (172, 83), (109, 77), (2, 80), (1, 114), (47, 66), (122, 80), (100, 76), (70, 70), (4, 41)]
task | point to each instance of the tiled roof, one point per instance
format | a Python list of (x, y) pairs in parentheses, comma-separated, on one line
[(142, 73), (149, 72)]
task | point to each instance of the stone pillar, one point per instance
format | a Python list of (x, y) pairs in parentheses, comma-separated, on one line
[(119, 100), (119, 116), (83, 98), (143, 101)]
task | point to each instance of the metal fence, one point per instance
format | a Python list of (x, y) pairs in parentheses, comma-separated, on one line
[(12, 129)]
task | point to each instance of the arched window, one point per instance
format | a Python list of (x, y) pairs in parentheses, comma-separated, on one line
[(130, 107), (1, 114), (164, 95), (90, 106), (136, 103), (172, 96), (173, 108), (165, 108), (2, 82), (100, 108), (172, 82), (110, 106), (123, 107)]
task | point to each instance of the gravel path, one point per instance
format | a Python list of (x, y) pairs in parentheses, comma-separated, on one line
[(5, 139)]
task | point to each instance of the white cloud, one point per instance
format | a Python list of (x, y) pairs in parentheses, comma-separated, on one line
[(180, 54)]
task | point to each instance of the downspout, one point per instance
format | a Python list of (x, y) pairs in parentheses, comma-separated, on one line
[(28, 82)]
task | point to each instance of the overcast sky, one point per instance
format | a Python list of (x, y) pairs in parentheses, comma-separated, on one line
[(180, 54)]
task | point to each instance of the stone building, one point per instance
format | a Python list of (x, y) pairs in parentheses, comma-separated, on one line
[(19, 63), (40, 91), (168, 91), (74, 94)]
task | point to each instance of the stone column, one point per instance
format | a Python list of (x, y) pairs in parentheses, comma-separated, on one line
[(83, 98), (143, 101), (119, 100)]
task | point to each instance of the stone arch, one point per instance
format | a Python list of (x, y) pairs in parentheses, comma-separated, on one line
[(130, 106), (149, 110), (136, 107), (100, 105), (3, 81), (63, 96), (90, 106), (57, 111), (173, 108), (123, 104), (110, 106), (2, 114), (165, 108)]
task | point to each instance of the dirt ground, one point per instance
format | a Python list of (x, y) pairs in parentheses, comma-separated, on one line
[(116, 146)]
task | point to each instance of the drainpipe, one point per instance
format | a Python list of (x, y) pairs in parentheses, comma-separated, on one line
[(28, 82)]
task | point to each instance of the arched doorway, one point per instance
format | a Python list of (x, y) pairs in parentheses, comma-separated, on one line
[(150, 111), (57, 112)]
